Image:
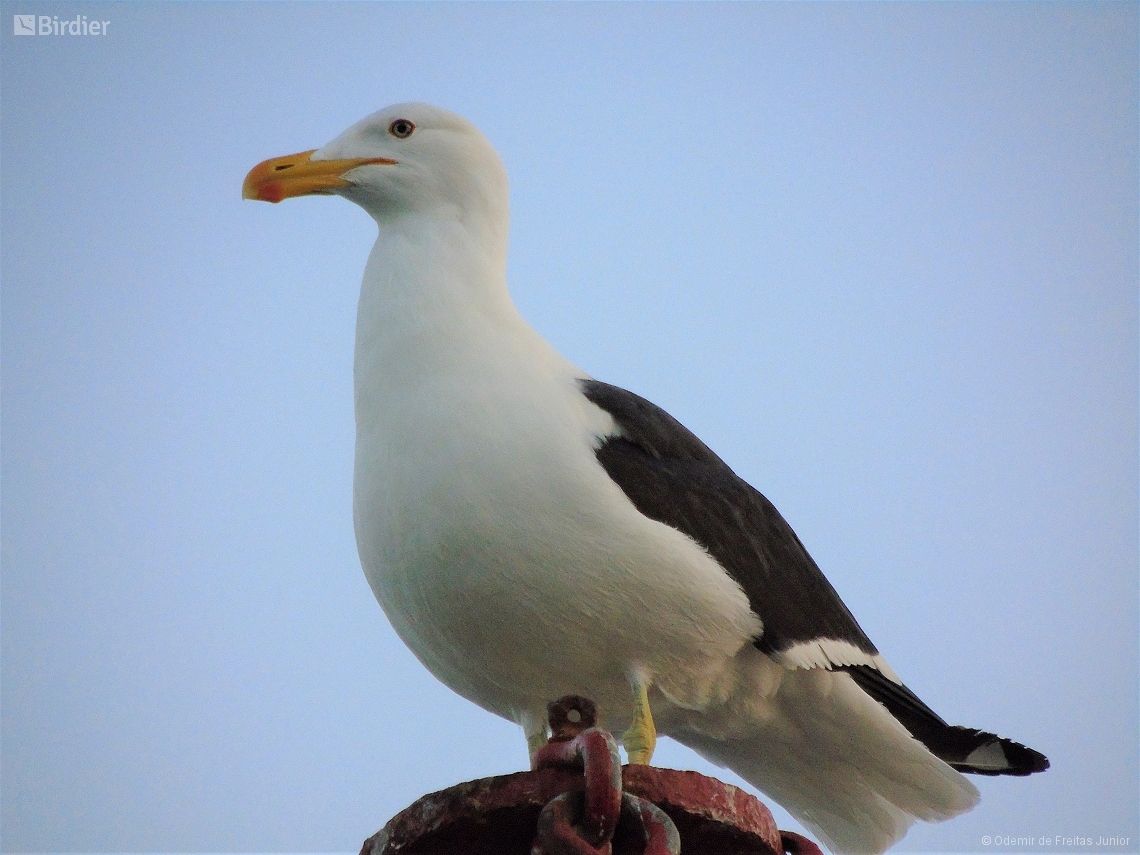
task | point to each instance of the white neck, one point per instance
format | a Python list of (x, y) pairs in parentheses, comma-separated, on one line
[(433, 303)]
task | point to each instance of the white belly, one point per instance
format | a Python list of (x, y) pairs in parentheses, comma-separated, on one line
[(516, 570)]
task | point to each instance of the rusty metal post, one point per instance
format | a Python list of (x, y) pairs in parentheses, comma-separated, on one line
[(578, 801)]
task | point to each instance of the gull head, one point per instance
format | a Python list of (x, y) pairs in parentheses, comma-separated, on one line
[(404, 160)]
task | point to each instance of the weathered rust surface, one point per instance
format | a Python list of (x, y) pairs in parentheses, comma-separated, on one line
[(498, 816), (711, 816)]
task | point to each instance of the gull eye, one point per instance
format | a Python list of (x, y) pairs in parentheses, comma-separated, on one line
[(401, 128)]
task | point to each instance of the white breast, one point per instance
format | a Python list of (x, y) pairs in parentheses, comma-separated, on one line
[(503, 554)]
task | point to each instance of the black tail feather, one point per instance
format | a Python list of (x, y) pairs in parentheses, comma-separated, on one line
[(963, 748)]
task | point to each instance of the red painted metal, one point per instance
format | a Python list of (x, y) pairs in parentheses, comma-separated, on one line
[(498, 816), (577, 798)]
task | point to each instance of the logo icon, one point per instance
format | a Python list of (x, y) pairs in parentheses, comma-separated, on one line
[(24, 25)]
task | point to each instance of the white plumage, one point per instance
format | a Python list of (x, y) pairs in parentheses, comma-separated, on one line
[(518, 568)]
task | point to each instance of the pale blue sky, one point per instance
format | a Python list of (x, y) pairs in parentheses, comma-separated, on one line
[(881, 257)]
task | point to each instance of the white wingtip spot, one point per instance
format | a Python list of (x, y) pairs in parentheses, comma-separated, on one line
[(988, 756)]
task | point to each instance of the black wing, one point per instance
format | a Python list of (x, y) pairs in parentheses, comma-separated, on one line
[(674, 478)]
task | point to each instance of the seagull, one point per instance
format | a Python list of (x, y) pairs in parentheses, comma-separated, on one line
[(532, 532)]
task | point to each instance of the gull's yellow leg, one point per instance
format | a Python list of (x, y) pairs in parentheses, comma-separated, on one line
[(641, 738)]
